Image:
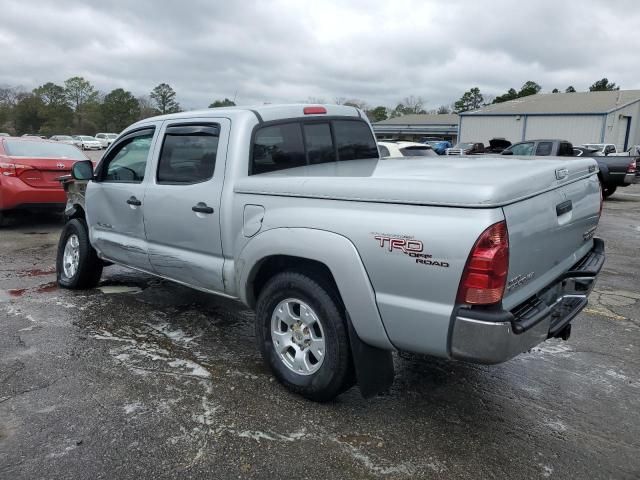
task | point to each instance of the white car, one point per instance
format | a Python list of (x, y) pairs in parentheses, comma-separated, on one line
[(405, 149), (88, 143), (605, 148), (68, 139), (106, 139)]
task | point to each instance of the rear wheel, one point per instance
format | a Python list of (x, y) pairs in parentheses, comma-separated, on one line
[(77, 265), (302, 334)]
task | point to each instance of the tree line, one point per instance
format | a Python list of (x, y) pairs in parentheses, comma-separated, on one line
[(77, 107)]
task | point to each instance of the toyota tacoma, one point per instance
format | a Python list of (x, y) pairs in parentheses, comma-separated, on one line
[(345, 257)]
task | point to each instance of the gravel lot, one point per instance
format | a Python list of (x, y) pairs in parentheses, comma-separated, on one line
[(142, 378)]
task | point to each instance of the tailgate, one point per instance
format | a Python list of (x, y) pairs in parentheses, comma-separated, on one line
[(550, 232)]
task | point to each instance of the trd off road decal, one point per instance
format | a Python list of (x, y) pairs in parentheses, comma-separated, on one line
[(409, 246)]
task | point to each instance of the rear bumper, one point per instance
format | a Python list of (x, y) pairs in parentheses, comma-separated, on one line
[(15, 194), (494, 336)]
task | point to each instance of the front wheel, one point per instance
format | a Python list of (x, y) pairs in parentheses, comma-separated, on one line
[(77, 265), (302, 334)]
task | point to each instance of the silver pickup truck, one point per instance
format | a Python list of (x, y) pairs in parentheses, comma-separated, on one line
[(345, 257)]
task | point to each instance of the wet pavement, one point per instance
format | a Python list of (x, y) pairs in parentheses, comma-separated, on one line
[(142, 378)]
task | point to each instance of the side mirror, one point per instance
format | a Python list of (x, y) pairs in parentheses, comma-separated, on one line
[(82, 170), (507, 152)]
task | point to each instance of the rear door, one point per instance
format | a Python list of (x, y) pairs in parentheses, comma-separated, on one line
[(114, 201), (182, 213)]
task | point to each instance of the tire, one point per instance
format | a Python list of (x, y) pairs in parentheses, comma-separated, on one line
[(318, 379), (607, 191), (88, 269), (4, 220)]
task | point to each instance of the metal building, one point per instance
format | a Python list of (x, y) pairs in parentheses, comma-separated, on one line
[(415, 127), (580, 117)]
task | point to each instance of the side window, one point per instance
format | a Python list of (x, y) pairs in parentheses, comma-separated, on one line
[(523, 149), (318, 143), (384, 151), (544, 148), (127, 161), (354, 140), (188, 154), (565, 150), (278, 147)]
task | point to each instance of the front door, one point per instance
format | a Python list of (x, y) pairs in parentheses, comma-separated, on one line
[(114, 200), (182, 203)]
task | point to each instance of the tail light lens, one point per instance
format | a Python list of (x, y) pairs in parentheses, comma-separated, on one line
[(485, 274), (13, 169), (7, 169), (632, 167)]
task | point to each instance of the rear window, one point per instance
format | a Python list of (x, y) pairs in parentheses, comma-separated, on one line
[(544, 149), (30, 149), (418, 152), (354, 140), (565, 149), (296, 144)]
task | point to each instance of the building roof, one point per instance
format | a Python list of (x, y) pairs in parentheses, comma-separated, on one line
[(424, 119), (562, 103)]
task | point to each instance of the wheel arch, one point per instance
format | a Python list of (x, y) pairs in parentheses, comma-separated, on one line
[(318, 252)]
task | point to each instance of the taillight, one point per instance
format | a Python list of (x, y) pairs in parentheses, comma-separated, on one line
[(632, 167), (314, 110), (485, 274), (7, 169), (601, 201), (13, 169)]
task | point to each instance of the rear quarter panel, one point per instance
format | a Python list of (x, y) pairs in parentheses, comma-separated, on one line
[(415, 298)]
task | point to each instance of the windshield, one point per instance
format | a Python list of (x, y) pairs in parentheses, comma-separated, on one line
[(64, 137), (87, 139), (16, 148), (111, 136), (597, 146), (464, 145)]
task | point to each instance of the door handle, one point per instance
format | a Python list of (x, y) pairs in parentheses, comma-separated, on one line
[(564, 207), (134, 201), (202, 207)]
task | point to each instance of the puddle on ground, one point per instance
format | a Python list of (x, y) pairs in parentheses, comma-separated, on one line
[(37, 272)]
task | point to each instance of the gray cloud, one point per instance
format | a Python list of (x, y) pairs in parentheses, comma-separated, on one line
[(288, 50)]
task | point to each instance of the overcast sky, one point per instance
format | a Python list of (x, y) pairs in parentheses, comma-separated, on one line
[(289, 50)]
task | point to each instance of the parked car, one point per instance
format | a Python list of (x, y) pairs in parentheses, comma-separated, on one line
[(4, 134), (439, 146), (343, 256), (614, 171), (604, 148), (68, 139), (88, 143), (466, 148), (106, 139), (541, 148), (30, 169), (497, 145), (405, 149), (34, 135)]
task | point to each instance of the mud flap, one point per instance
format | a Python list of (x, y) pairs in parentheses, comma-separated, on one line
[(373, 366)]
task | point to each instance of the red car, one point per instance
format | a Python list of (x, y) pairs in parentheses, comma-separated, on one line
[(29, 172)]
